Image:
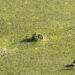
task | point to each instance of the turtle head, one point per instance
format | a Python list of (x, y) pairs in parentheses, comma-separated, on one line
[(74, 61)]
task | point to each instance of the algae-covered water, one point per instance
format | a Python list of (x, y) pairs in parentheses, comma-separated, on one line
[(54, 19)]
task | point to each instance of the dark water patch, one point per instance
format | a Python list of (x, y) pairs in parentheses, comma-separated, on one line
[(68, 68), (69, 65), (26, 40)]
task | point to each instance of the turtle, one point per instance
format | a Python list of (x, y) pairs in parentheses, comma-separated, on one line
[(36, 37)]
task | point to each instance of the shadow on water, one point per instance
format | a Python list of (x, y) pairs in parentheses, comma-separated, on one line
[(67, 69), (26, 40), (29, 40)]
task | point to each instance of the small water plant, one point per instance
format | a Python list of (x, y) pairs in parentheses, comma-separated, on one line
[(37, 36)]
